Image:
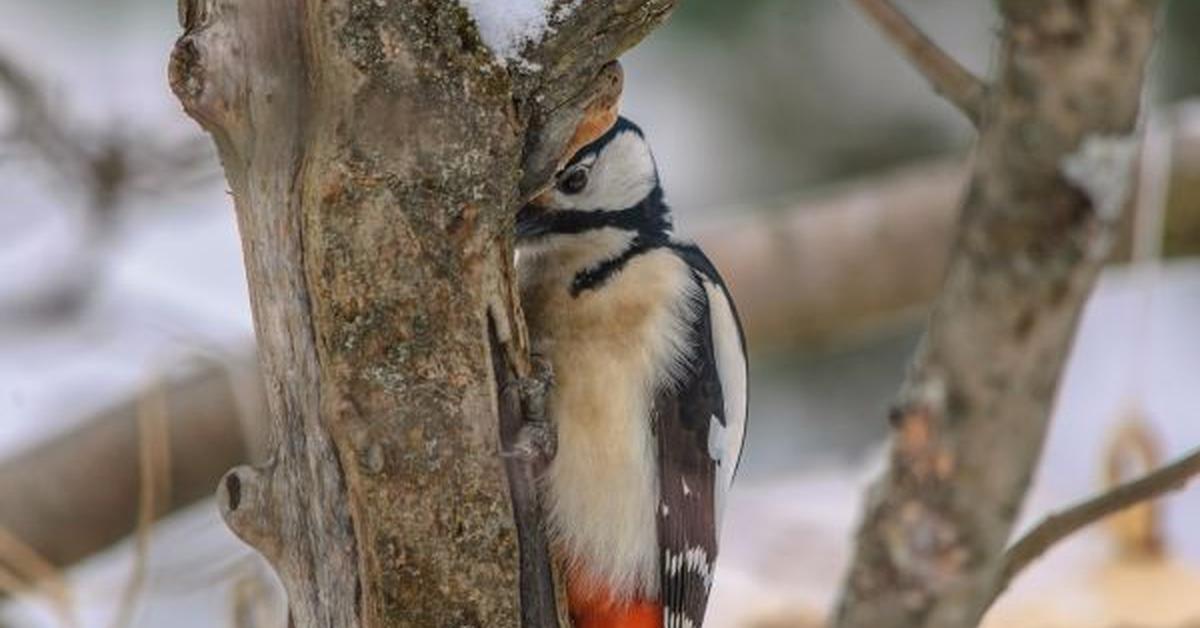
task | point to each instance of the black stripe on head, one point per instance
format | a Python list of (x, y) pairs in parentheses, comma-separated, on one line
[(532, 223), (649, 217)]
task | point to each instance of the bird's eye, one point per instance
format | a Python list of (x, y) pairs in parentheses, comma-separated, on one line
[(573, 182)]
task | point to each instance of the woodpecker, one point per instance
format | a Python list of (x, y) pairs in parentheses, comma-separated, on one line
[(649, 401)]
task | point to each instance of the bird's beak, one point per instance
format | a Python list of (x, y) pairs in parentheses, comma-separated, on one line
[(599, 116), (529, 223)]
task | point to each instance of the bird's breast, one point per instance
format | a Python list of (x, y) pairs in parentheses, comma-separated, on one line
[(611, 348)]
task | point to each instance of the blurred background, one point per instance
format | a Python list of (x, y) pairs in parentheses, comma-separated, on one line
[(794, 144)]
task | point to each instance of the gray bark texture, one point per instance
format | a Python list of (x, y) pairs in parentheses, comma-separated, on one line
[(377, 154), (1050, 183)]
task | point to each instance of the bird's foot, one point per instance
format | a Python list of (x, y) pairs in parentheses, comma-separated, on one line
[(537, 440), (535, 388), (537, 443)]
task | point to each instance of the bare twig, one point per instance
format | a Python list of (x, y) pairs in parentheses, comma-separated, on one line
[(10, 582), (154, 492), (108, 163), (947, 76), (101, 169), (1064, 523), (48, 496), (22, 566), (36, 124)]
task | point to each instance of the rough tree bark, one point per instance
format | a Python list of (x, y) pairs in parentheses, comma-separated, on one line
[(1050, 183), (377, 152)]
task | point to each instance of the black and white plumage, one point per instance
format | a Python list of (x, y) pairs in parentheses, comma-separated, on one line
[(650, 397)]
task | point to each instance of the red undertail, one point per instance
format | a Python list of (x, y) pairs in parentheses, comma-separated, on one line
[(592, 606)]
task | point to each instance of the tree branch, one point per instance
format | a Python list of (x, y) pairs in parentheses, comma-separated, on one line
[(49, 496), (105, 166), (1066, 522), (948, 77), (859, 258), (36, 125), (1048, 193)]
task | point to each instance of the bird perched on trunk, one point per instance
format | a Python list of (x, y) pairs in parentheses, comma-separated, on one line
[(649, 401)]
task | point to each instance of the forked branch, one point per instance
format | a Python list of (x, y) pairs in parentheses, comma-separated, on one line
[(949, 78)]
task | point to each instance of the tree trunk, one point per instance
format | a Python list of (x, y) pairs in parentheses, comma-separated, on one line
[(377, 152), (1051, 179)]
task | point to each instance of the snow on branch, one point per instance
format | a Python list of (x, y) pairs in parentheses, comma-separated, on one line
[(508, 26)]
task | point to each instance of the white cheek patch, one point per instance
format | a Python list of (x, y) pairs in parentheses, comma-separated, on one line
[(620, 177)]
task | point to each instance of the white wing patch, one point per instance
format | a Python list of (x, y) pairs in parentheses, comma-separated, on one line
[(679, 620), (716, 439), (695, 560), (725, 442)]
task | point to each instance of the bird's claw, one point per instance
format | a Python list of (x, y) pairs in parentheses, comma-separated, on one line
[(535, 387), (536, 442)]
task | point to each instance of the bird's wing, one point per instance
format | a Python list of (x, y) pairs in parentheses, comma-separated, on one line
[(699, 424)]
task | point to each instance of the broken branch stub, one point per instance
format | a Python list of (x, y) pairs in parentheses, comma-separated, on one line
[(376, 158)]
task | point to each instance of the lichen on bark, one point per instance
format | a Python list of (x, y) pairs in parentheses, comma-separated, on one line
[(376, 153)]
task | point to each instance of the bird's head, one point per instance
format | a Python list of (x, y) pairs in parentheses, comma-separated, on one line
[(610, 183)]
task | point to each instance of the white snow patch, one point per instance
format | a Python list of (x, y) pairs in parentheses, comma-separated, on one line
[(1102, 167), (508, 26)]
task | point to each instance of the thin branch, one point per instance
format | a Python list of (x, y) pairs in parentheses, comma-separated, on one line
[(47, 490), (154, 451), (1064, 523), (36, 124), (101, 167), (949, 78), (22, 566)]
